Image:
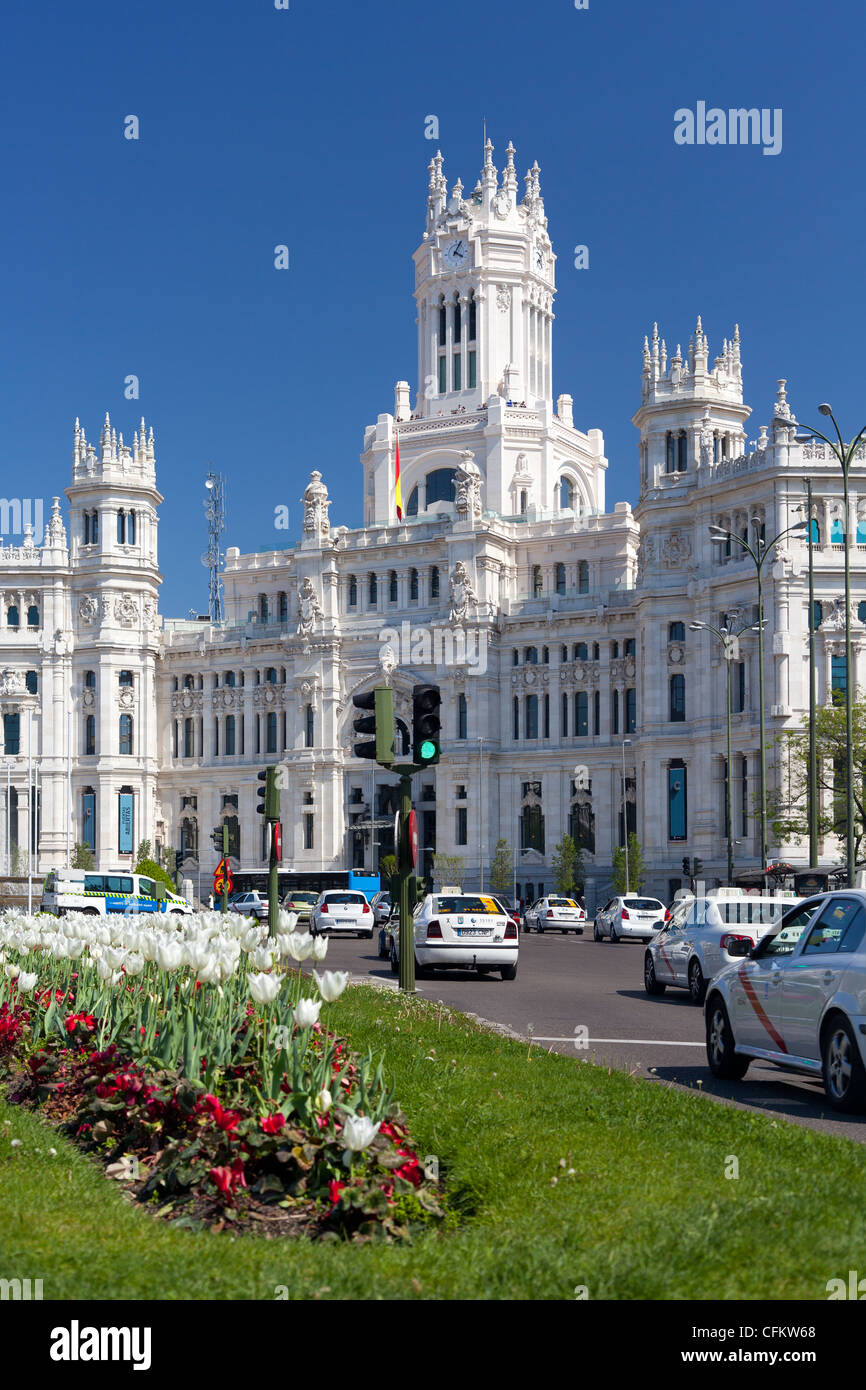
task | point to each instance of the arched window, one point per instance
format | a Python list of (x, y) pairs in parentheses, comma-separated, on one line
[(90, 680), (472, 321), (440, 486), (861, 532), (837, 533), (89, 735), (121, 528), (188, 738), (309, 727), (581, 714), (537, 582), (88, 817), (563, 654), (461, 716), (434, 582), (515, 657), (271, 675), (559, 578), (353, 591), (130, 528), (677, 699), (229, 679), (33, 616), (31, 680), (816, 531), (12, 619), (372, 589), (86, 520), (125, 735), (524, 501), (412, 504), (583, 576), (566, 495), (443, 322), (676, 632), (413, 584), (392, 586), (94, 527), (230, 735), (282, 606), (530, 656), (861, 611), (189, 837), (189, 682), (581, 651), (614, 712)]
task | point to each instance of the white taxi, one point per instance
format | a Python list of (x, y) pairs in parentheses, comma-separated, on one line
[(555, 913), (697, 942), (461, 931), (798, 999), (341, 912)]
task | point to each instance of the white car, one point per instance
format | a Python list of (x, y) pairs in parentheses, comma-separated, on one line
[(342, 912), (462, 931), (629, 916), (251, 904), (798, 999), (555, 913), (691, 948)]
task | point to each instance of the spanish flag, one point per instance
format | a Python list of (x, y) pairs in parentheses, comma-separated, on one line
[(398, 493)]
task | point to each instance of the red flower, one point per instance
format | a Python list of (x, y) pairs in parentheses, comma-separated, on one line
[(411, 1172), (226, 1120), (223, 1179), (335, 1187), (272, 1124)]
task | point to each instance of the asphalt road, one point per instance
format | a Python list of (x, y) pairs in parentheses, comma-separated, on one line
[(569, 983)]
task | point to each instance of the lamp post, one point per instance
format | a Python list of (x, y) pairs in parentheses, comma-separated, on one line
[(759, 553), (731, 648), (625, 815), (812, 784), (481, 812), (845, 454)]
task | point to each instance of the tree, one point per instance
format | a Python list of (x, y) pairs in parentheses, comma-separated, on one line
[(636, 867), (449, 869), (388, 870), (789, 804), (82, 856), (145, 851), (502, 869), (151, 869), (567, 864)]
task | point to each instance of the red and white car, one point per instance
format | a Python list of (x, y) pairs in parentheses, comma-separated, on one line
[(555, 913), (342, 912), (798, 999), (461, 931)]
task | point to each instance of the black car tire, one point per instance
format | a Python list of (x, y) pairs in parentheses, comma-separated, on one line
[(614, 935), (844, 1075), (383, 946), (368, 935), (395, 964), (597, 934), (651, 983), (697, 983), (509, 972), (723, 1061)]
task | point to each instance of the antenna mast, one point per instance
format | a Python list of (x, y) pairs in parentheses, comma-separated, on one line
[(215, 511)]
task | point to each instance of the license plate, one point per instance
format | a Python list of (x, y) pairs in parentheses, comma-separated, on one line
[(472, 931)]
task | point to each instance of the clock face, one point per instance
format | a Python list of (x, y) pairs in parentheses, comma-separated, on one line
[(539, 259), (456, 254)]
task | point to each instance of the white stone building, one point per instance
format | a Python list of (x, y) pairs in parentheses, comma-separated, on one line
[(556, 628)]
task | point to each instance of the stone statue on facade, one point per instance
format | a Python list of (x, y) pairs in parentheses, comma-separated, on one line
[(309, 608), (462, 594), (316, 506), (467, 481)]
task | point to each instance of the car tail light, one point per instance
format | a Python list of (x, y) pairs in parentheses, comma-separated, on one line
[(549, 912), (365, 908), (433, 928), (511, 932), (625, 915), (731, 936), (515, 917), (324, 907), (667, 915)]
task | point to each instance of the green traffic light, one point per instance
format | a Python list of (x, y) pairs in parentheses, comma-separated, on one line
[(428, 750)]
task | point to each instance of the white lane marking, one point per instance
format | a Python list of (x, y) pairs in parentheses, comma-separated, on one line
[(626, 1042)]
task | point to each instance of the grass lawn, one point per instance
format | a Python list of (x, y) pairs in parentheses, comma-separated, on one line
[(647, 1213)]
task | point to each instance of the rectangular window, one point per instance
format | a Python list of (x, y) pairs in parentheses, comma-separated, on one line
[(443, 375), (839, 674), (308, 831), (596, 713), (547, 716), (614, 712), (516, 719), (11, 733), (677, 804), (581, 714), (458, 363), (271, 733), (531, 717), (564, 716), (461, 716), (630, 710), (461, 837), (738, 693), (309, 730), (230, 735), (472, 382), (744, 796)]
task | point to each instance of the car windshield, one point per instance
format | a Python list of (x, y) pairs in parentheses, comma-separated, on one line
[(784, 941), (467, 904), (302, 897), (643, 904), (344, 898)]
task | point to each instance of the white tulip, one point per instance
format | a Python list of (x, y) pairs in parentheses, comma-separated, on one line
[(358, 1132), (26, 982), (286, 921), (251, 938), (324, 1101), (12, 971), (134, 963), (300, 945), (319, 948), (103, 969), (307, 1012), (168, 955), (115, 957), (331, 984), (264, 988), (262, 958), (209, 972)]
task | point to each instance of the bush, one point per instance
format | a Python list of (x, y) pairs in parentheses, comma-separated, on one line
[(155, 871)]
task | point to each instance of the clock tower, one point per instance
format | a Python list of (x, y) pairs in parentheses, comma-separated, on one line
[(484, 285)]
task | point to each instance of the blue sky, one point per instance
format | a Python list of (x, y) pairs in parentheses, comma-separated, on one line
[(306, 127)]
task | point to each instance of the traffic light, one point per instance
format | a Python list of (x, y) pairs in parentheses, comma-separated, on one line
[(698, 869), (687, 867), (178, 860), (269, 793), (426, 724), (217, 839), (380, 723)]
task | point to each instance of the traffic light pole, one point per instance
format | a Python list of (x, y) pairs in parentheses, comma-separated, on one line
[(224, 906), (273, 883), (404, 871)]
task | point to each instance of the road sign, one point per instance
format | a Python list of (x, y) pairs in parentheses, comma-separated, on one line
[(278, 841), (223, 879), (413, 838)]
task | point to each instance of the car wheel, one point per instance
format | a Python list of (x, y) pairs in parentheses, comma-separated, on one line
[(697, 983), (368, 935), (650, 983), (563, 931), (844, 1076), (395, 964), (597, 934), (422, 972), (383, 946), (509, 972), (723, 1061), (614, 935)]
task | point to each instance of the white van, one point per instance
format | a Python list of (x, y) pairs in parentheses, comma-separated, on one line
[(81, 890)]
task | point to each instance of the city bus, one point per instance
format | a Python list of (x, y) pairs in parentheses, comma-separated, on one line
[(81, 890), (289, 881)]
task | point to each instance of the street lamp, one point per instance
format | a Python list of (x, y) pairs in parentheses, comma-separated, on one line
[(812, 786), (759, 553), (481, 811), (730, 646), (625, 814), (845, 454)]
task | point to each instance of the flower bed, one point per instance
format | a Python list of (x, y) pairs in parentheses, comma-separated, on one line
[(211, 1091)]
